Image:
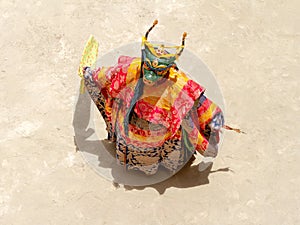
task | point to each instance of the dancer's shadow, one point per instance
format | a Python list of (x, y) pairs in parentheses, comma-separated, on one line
[(188, 176), (100, 154)]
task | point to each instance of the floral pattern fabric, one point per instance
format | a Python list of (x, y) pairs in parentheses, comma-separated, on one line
[(169, 119)]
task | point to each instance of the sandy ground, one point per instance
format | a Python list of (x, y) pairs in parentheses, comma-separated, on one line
[(253, 48)]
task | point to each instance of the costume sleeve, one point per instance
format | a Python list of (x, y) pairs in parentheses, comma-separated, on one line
[(111, 81), (210, 120)]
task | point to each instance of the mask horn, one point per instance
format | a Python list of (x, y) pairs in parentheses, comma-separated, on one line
[(154, 23), (182, 44)]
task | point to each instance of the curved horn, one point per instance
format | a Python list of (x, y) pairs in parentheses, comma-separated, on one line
[(182, 43), (154, 23)]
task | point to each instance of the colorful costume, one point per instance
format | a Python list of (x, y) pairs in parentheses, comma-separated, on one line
[(154, 113)]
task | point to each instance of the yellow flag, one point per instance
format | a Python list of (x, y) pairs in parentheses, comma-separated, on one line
[(89, 57)]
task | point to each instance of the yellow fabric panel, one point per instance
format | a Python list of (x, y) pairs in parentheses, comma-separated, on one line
[(178, 80), (208, 113), (165, 94), (157, 96), (152, 100), (133, 71), (200, 138), (101, 74)]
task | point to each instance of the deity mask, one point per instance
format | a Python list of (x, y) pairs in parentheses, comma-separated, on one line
[(156, 60)]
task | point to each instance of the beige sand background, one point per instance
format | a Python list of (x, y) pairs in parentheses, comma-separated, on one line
[(252, 47)]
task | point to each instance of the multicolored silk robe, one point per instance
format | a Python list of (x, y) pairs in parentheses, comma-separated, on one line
[(171, 120)]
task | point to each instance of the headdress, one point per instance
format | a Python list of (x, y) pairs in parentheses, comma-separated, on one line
[(156, 58)]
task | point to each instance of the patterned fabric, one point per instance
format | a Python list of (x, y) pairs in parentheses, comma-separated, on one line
[(170, 121)]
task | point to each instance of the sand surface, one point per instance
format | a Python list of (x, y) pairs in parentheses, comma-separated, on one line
[(252, 47)]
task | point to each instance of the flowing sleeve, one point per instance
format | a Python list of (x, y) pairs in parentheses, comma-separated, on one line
[(210, 121), (112, 80)]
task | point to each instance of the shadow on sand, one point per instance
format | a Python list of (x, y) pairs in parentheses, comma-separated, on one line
[(100, 155)]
